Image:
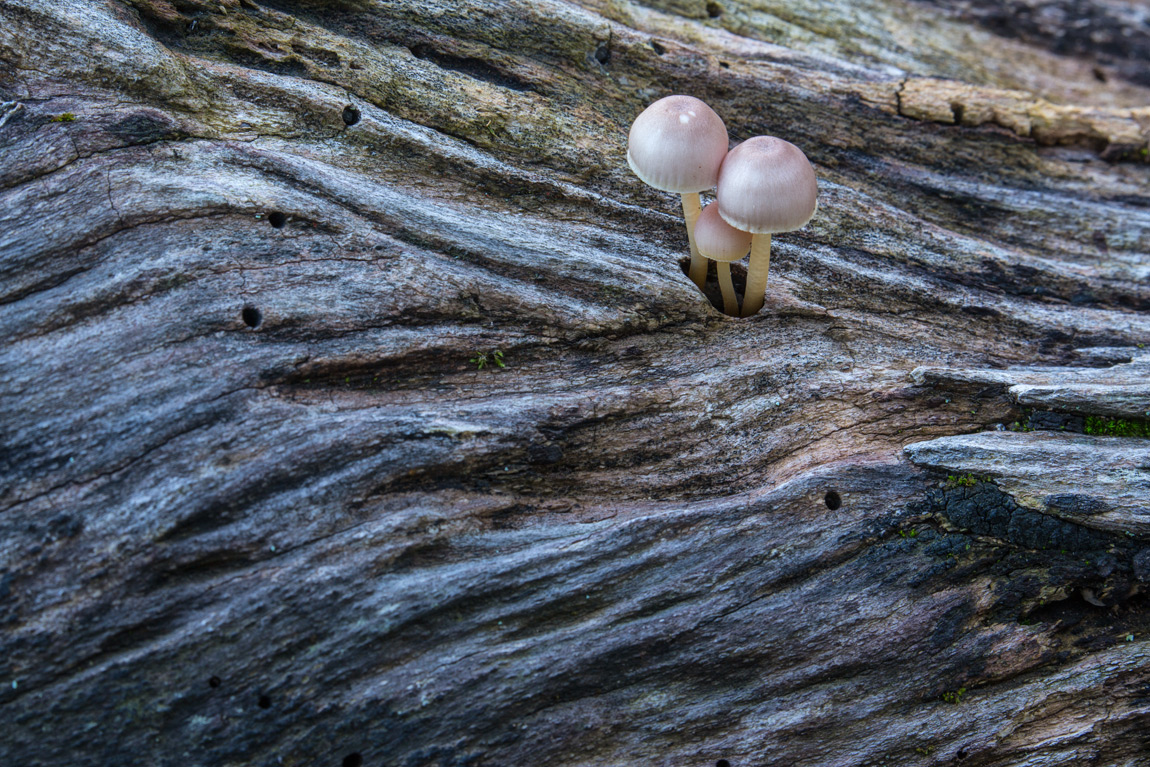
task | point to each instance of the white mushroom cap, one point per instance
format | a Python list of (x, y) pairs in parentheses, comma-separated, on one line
[(767, 185), (677, 145), (718, 240)]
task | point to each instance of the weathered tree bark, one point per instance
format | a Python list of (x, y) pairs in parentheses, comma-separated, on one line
[(271, 497)]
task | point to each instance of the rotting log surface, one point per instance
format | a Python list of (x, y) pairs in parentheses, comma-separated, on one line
[(259, 505)]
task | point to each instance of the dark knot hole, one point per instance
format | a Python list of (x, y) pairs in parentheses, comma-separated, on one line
[(251, 316)]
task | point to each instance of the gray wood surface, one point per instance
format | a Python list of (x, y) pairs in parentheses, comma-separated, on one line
[(259, 504)]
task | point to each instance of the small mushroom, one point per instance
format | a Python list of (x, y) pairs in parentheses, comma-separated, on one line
[(766, 186), (677, 145), (722, 243)]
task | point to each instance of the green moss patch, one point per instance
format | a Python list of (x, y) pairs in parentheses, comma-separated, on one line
[(1116, 427)]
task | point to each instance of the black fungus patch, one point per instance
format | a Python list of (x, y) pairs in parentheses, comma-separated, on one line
[(947, 546), (1043, 555), (1047, 421), (985, 510), (1077, 505), (1082, 589)]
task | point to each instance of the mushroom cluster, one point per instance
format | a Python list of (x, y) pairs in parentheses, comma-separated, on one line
[(762, 187)]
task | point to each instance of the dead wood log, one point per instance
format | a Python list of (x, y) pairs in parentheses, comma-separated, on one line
[(262, 504)]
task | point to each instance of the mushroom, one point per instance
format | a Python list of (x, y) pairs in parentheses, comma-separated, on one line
[(722, 243), (677, 145), (766, 186)]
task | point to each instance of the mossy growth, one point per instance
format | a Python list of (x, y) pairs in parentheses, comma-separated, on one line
[(954, 696), (965, 480), (1023, 423), (483, 359), (67, 117), (1116, 427)]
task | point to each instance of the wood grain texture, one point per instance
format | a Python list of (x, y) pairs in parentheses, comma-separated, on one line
[(260, 505)]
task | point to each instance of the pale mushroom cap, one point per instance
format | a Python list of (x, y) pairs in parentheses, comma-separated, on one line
[(767, 185), (677, 145), (718, 240)]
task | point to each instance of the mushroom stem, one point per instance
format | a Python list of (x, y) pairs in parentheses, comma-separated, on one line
[(691, 210), (730, 302), (757, 274)]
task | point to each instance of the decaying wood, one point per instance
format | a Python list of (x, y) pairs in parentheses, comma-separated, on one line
[(261, 503)]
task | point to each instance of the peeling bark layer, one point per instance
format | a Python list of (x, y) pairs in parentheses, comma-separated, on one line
[(355, 405)]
